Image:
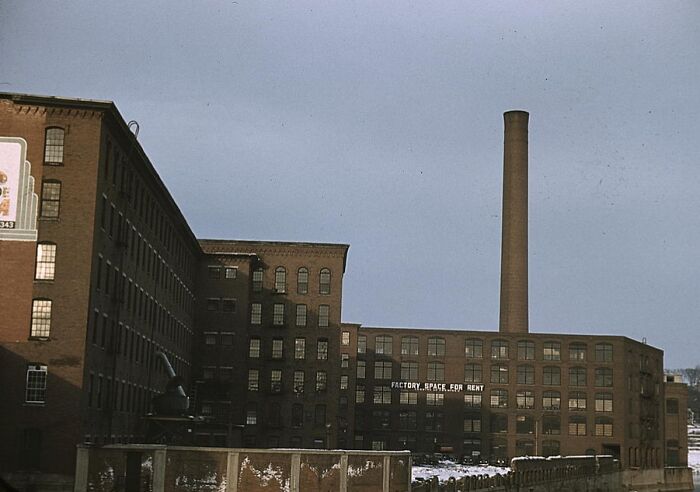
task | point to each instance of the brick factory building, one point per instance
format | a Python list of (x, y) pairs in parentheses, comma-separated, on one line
[(100, 271)]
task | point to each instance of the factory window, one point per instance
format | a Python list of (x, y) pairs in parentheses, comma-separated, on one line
[(323, 315), (382, 344), (280, 280), (361, 365), (472, 400), (499, 374), (324, 281), (603, 352), (381, 419), (435, 399), (499, 349), (344, 360), (672, 406), (499, 423), (278, 314), (526, 350), (577, 352), (275, 381), (577, 376), (499, 450), (472, 373), (303, 280), (230, 272), (277, 348), (434, 421), (409, 346), (471, 448), (251, 414), (603, 377), (41, 318), (672, 453), (473, 348), (524, 424), (344, 382), (472, 424), (436, 346), (577, 401), (228, 305), (298, 382), (297, 415), (552, 351), (212, 304), (577, 425), (208, 372), (603, 402), (53, 146), (322, 349), (214, 272), (255, 313), (50, 198), (257, 279), (408, 397), (407, 420), (361, 344), (382, 395), (299, 348), (301, 315), (345, 338), (551, 425), (382, 370), (321, 381), (603, 426), (526, 375), (436, 371), (36, 383), (551, 400), (210, 338), (551, 376), (499, 398), (551, 448), (525, 399), (45, 261), (409, 371), (359, 393), (253, 380), (524, 447)]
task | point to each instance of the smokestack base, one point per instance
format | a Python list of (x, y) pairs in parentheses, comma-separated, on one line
[(514, 317)]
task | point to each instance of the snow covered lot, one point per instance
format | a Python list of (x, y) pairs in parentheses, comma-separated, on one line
[(446, 469)]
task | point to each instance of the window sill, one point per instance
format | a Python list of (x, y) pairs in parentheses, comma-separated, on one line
[(44, 281), (39, 339), (34, 404), (49, 219)]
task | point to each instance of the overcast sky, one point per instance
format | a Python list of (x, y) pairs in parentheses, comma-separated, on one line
[(379, 124)]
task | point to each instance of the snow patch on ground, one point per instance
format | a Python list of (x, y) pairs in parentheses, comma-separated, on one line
[(446, 469), (694, 460)]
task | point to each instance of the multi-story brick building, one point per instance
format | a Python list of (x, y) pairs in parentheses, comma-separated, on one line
[(110, 274)]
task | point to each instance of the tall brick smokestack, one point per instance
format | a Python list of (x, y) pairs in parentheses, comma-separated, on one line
[(514, 302)]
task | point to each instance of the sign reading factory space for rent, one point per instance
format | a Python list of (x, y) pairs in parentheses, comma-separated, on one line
[(437, 387)]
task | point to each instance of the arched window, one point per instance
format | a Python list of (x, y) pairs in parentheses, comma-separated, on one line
[(280, 280), (577, 425), (499, 398), (525, 374), (603, 426), (526, 350), (324, 281), (577, 401), (551, 400), (45, 261), (499, 423), (577, 376), (436, 371), (499, 374), (577, 352), (551, 376), (303, 280), (41, 318), (499, 349), (436, 346), (472, 373), (53, 146), (409, 345), (603, 402), (524, 447), (50, 198), (552, 351), (473, 348), (257, 279), (604, 377), (603, 352)]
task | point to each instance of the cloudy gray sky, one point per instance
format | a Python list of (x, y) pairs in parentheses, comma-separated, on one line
[(379, 124)]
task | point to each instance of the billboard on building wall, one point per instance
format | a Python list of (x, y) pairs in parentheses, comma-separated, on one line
[(11, 161), (18, 202)]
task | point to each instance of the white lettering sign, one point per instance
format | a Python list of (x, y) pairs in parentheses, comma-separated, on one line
[(436, 387)]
